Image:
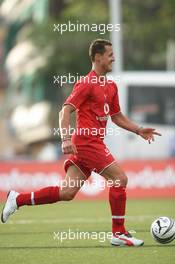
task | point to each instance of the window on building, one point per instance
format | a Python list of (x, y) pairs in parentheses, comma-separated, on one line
[(152, 104)]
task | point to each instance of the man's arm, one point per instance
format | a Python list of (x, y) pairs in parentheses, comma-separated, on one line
[(124, 122), (64, 124)]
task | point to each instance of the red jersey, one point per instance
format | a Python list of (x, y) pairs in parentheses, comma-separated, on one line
[(95, 99)]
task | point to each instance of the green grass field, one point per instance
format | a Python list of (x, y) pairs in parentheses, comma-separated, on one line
[(29, 235)]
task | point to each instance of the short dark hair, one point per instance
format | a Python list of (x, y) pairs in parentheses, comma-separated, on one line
[(98, 46)]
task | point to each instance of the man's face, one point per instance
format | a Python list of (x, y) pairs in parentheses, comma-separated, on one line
[(106, 59)]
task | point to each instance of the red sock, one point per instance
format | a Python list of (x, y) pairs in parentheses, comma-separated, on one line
[(117, 199), (44, 196)]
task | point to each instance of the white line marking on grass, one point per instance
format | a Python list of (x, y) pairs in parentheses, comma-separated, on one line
[(138, 218)]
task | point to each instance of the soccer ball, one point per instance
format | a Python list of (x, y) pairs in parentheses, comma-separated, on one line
[(163, 230)]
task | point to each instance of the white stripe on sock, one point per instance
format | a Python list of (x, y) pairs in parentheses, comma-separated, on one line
[(118, 216), (32, 198)]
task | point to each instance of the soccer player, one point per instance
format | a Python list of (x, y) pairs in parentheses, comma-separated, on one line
[(94, 98)]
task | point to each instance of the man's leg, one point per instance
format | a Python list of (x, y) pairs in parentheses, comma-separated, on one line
[(117, 196), (117, 200), (72, 183)]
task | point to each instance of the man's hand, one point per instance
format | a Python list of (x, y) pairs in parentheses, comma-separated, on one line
[(68, 147), (148, 133)]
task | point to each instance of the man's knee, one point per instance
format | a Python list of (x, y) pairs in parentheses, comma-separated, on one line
[(123, 180), (68, 195)]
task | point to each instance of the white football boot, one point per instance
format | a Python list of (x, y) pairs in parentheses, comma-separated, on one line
[(10, 206), (126, 239)]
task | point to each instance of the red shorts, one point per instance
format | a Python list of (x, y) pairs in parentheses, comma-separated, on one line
[(94, 156)]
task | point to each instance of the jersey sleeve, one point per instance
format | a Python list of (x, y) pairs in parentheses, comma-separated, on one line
[(79, 95), (115, 106)]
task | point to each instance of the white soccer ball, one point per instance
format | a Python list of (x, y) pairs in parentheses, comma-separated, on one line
[(163, 230)]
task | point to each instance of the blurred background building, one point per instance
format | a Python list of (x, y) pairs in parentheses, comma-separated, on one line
[(32, 53)]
